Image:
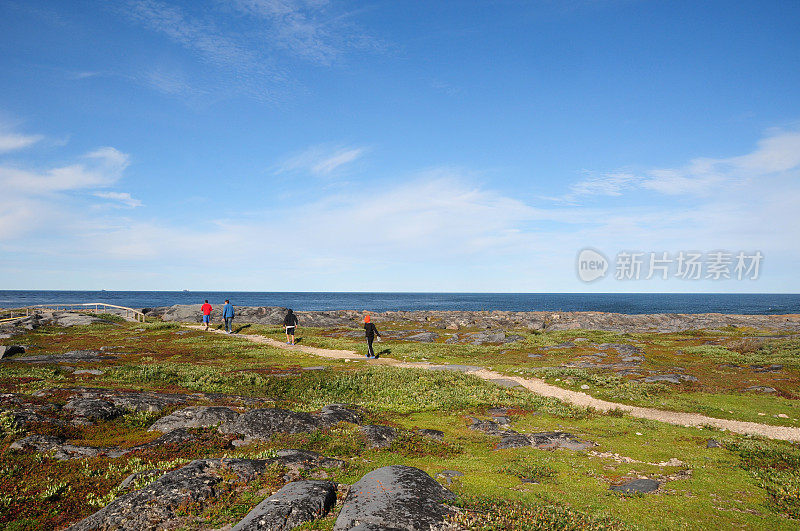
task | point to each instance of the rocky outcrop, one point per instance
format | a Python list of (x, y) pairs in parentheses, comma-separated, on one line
[(154, 506), (549, 440), (395, 498), (93, 409), (455, 320), (291, 506), (642, 486), (262, 423), (194, 417), (59, 449)]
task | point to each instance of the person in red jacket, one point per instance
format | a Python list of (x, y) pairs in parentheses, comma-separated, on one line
[(206, 309)]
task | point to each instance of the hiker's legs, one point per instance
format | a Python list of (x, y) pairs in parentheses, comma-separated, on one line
[(370, 352), (228, 324), (292, 339)]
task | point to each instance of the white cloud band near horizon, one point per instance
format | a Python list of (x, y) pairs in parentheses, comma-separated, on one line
[(413, 235)]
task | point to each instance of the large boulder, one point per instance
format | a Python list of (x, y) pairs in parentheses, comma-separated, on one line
[(194, 417), (59, 449), (395, 497), (155, 506), (294, 504)]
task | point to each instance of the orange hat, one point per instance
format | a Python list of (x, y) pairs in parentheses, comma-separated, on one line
[(366, 318)]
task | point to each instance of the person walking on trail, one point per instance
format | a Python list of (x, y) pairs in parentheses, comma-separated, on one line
[(206, 309), (228, 314), (370, 331), (290, 323)]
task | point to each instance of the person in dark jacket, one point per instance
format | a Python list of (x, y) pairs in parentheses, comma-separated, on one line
[(228, 314), (370, 331), (290, 322)]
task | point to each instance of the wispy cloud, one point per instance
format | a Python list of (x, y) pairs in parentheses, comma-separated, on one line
[(250, 48), (15, 141), (321, 160), (777, 153), (124, 198)]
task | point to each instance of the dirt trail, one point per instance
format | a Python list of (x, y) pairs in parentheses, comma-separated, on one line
[(542, 388)]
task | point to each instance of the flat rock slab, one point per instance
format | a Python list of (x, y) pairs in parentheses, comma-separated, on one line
[(637, 485), (93, 372), (154, 506), (395, 497), (291, 506), (195, 417)]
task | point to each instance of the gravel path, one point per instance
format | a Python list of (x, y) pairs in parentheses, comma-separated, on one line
[(542, 388)]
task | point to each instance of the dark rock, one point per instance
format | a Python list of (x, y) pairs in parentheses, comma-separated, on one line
[(551, 440), (11, 350), (263, 423), (486, 426), (154, 506), (512, 439), (713, 443), (93, 408), (436, 435), (305, 459), (195, 417), (395, 497), (482, 338), (294, 504), (637, 485), (379, 436)]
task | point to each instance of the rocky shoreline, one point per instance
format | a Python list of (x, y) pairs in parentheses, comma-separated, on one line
[(457, 320)]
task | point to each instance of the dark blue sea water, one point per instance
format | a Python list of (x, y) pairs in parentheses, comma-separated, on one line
[(630, 303)]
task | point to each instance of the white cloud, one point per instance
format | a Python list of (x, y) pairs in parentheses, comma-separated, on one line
[(14, 141), (122, 197), (321, 160), (102, 167)]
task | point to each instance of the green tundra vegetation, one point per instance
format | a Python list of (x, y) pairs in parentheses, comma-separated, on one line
[(743, 482)]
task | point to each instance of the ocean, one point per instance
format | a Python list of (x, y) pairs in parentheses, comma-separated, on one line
[(630, 303)]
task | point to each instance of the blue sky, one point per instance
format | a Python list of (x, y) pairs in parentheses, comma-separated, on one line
[(315, 145)]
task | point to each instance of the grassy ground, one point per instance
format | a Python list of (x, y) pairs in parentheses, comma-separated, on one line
[(746, 483)]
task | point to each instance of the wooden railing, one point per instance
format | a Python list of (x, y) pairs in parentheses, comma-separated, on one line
[(86, 307)]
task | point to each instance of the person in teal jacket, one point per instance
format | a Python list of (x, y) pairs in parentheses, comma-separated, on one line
[(227, 314)]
